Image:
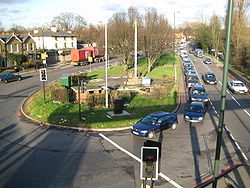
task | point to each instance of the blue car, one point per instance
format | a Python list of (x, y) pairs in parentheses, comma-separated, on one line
[(9, 77), (198, 93), (154, 123), (195, 112), (209, 78)]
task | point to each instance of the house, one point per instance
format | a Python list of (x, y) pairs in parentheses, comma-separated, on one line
[(17, 44), (54, 39), (180, 38)]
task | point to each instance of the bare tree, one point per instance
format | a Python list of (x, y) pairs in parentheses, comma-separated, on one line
[(121, 35), (69, 20), (239, 31), (17, 29), (215, 32), (156, 32)]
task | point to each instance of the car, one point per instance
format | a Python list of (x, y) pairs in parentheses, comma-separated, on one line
[(209, 78), (195, 112), (198, 93), (154, 123), (237, 87), (191, 71), (186, 69), (191, 80), (207, 61), (9, 77), (187, 64)]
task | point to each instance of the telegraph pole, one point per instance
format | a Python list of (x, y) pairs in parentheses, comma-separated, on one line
[(106, 59), (223, 91)]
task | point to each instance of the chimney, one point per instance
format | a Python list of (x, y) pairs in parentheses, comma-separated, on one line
[(35, 31), (53, 28)]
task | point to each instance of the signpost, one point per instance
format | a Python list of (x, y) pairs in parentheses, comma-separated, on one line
[(43, 79)]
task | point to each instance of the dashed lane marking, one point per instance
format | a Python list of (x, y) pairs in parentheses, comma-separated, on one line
[(246, 112), (139, 160), (236, 101)]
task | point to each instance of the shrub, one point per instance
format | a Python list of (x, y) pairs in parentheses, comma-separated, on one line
[(59, 93), (95, 100), (125, 95)]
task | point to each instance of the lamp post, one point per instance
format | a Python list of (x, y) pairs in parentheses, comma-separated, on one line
[(175, 75), (106, 58), (135, 68)]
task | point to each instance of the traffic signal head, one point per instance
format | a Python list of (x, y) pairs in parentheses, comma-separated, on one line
[(43, 75), (149, 163)]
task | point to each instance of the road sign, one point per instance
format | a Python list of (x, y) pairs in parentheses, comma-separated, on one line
[(149, 163), (44, 55), (43, 75)]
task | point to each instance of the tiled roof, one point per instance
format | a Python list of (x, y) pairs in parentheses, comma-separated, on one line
[(53, 34)]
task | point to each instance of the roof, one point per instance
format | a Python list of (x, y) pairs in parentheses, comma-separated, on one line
[(198, 87), (5, 37), (160, 114), (53, 34)]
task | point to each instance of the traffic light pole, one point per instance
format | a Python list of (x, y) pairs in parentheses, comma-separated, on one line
[(223, 92), (44, 92), (79, 100)]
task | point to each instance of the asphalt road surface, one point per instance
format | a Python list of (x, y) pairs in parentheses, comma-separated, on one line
[(33, 156)]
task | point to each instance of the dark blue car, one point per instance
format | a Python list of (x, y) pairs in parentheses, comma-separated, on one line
[(209, 78), (198, 93), (195, 112), (154, 123), (9, 77)]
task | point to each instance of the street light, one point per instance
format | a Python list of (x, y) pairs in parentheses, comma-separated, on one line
[(175, 75), (106, 58)]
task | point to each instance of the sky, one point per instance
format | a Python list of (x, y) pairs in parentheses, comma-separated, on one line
[(35, 13)]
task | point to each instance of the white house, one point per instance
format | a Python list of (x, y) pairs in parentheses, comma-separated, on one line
[(54, 39)]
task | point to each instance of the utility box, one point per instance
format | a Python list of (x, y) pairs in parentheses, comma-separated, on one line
[(65, 80), (118, 106), (146, 81)]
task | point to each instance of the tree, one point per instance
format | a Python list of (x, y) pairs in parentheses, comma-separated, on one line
[(68, 20), (121, 35), (215, 32), (17, 29), (156, 32), (1, 27), (240, 35)]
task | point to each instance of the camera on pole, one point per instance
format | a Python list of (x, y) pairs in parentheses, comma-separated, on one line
[(149, 163)]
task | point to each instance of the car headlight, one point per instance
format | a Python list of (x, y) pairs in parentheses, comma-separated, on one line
[(192, 99), (205, 100), (144, 132), (187, 117), (200, 118)]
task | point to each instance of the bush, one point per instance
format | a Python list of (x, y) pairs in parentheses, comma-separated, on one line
[(30, 64), (59, 93), (95, 100), (81, 76), (124, 95)]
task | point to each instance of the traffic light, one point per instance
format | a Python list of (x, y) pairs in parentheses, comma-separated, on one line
[(149, 163), (43, 75)]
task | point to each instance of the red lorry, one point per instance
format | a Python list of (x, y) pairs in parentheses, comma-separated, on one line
[(86, 55)]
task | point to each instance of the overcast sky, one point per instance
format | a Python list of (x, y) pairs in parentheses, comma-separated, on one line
[(34, 13)]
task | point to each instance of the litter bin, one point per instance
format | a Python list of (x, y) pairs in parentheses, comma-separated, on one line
[(118, 106)]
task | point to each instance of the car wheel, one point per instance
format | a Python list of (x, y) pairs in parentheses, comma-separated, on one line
[(174, 126), (19, 79), (5, 81), (151, 134)]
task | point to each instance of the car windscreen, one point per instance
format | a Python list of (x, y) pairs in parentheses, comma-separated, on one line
[(195, 108), (238, 84), (193, 78), (198, 92), (149, 120), (210, 76)]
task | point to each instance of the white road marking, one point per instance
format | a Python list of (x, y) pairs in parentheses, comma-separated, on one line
[(236, 101), (246, 112), (139, 160), (219, 82)]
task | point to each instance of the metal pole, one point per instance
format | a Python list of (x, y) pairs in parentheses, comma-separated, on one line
[(44, 92), (223, 91), (174, 52), (79, 99), (106, 59), (135, 68)]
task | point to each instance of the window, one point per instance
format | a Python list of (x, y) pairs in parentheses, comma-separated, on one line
[(56, 45), (64, 38), (72, 44), (27, 47), (65, 45), (72, 38), (32, 46), (56, 38), (16, 48), (10, 48)]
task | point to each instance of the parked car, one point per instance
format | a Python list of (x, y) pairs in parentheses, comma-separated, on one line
[(195, 112), (9, 77), (209, 78), (191, 80), (154, 123), (237, 87), (198, 93), (207, 61)]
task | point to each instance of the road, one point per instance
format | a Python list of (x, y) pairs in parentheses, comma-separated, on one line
[(33, 156)]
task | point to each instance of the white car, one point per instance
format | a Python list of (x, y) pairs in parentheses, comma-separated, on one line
[(237, 87)]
